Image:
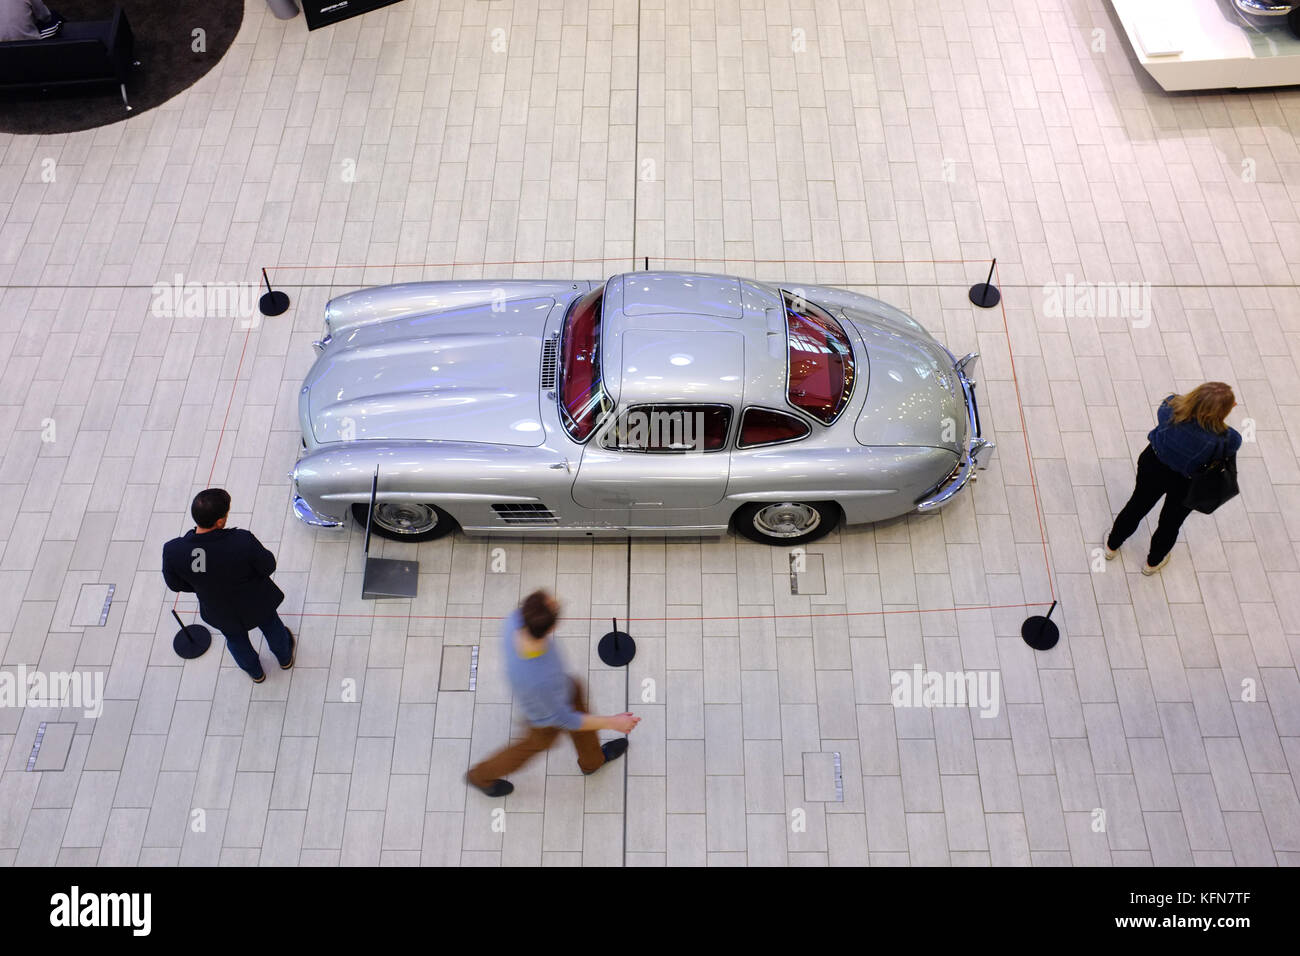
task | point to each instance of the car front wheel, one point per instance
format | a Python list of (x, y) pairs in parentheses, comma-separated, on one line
[(787, 523), (406, 520)]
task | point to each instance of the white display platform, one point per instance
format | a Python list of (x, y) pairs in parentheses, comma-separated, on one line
[(1214, 49)]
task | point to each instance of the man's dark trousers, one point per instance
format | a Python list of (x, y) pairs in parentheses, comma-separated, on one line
[(230, 571), (245, 655)]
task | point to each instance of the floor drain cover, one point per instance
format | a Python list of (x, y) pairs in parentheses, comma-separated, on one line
[(92, 605)]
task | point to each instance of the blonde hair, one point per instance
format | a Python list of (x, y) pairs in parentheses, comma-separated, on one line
[(1207, 405)]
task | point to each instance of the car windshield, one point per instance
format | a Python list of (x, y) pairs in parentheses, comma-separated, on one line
[(583, 402), (820, 362)]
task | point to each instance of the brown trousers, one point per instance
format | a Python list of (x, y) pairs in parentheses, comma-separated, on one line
[(539, 740)]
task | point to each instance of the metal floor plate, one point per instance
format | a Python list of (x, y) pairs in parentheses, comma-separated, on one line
[(390, 578)]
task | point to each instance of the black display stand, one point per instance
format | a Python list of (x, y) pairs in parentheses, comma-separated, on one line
[(1040, 632), (985, 294), (272, 302), (191, 640), (617, 647), (386, 577)]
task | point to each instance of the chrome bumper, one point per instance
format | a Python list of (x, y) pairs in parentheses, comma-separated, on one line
[(1263, 8), (305, 513), (951, 486)]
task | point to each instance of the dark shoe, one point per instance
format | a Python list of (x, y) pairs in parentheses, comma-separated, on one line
[(258, 680), (293, 651), (612, 751), (497, 788)]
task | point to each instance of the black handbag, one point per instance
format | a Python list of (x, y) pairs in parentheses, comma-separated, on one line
[(1212, 484)]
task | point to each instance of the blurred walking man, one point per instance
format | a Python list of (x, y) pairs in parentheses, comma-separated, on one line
[(230, 572), (549, 698)]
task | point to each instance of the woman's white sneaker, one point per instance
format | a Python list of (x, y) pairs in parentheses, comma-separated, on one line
[(1148, 569), (1108, 550)]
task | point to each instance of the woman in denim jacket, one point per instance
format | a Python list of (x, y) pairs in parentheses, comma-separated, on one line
[(1191, 431)]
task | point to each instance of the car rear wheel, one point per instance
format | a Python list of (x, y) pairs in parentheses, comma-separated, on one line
[(406, 520), (787, 523)]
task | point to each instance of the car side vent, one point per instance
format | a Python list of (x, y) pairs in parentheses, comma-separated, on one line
[(525, 514), (550, 353)]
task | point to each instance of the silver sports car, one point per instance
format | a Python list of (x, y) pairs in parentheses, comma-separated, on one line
[(655, 403)]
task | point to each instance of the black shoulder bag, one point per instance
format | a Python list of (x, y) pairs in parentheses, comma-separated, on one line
[(1213, 484)]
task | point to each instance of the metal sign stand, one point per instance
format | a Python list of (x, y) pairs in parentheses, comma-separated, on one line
[(386, 577)]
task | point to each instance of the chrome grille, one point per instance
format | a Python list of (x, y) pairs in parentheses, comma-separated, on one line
[(526, 514), (550, 353)]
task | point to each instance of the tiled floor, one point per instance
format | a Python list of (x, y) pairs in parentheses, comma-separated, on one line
[(759, 138)]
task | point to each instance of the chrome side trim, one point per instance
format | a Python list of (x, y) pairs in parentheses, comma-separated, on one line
[(975, 444)]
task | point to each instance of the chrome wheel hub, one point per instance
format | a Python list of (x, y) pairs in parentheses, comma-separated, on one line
[(406, 518), (787, 519)]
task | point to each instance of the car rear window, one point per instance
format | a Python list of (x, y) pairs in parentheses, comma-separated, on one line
[(766, 426), (583, 402), (821, 368)]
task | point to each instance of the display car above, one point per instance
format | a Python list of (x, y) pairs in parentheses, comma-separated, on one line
[(657, 403)]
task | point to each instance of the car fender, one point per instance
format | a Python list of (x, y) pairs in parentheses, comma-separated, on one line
[(835, 299), (462, 478), (868, 483)]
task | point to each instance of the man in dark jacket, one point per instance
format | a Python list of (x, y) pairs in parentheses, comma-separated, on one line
[(230, 572)]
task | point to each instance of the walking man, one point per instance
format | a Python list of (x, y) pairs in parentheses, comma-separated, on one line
[(549, 698), (230, 572)]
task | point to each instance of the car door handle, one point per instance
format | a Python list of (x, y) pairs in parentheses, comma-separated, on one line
[(563, 464)]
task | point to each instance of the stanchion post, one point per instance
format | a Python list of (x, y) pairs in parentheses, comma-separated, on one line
[(617, 647), (985, 294), (1040, 631), (272, 302), (191, 640)]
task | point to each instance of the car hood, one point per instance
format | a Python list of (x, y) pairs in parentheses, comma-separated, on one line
[(467, 375), (913, 395)]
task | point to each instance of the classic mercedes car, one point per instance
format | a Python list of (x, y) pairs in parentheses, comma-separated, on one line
[(658, 403)]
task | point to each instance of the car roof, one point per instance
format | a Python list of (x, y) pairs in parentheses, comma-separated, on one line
[(679, 366), (692, 337)]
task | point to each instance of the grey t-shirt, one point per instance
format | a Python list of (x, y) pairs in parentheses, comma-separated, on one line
[(542, 689), (21, 19)]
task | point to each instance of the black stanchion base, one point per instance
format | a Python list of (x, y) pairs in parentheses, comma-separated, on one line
[(616, 648), (1040, 633), (273, 303), (192, 641), (985, 295)]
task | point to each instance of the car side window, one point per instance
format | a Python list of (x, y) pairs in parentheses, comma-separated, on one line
[(766, 426), (666, 429)]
